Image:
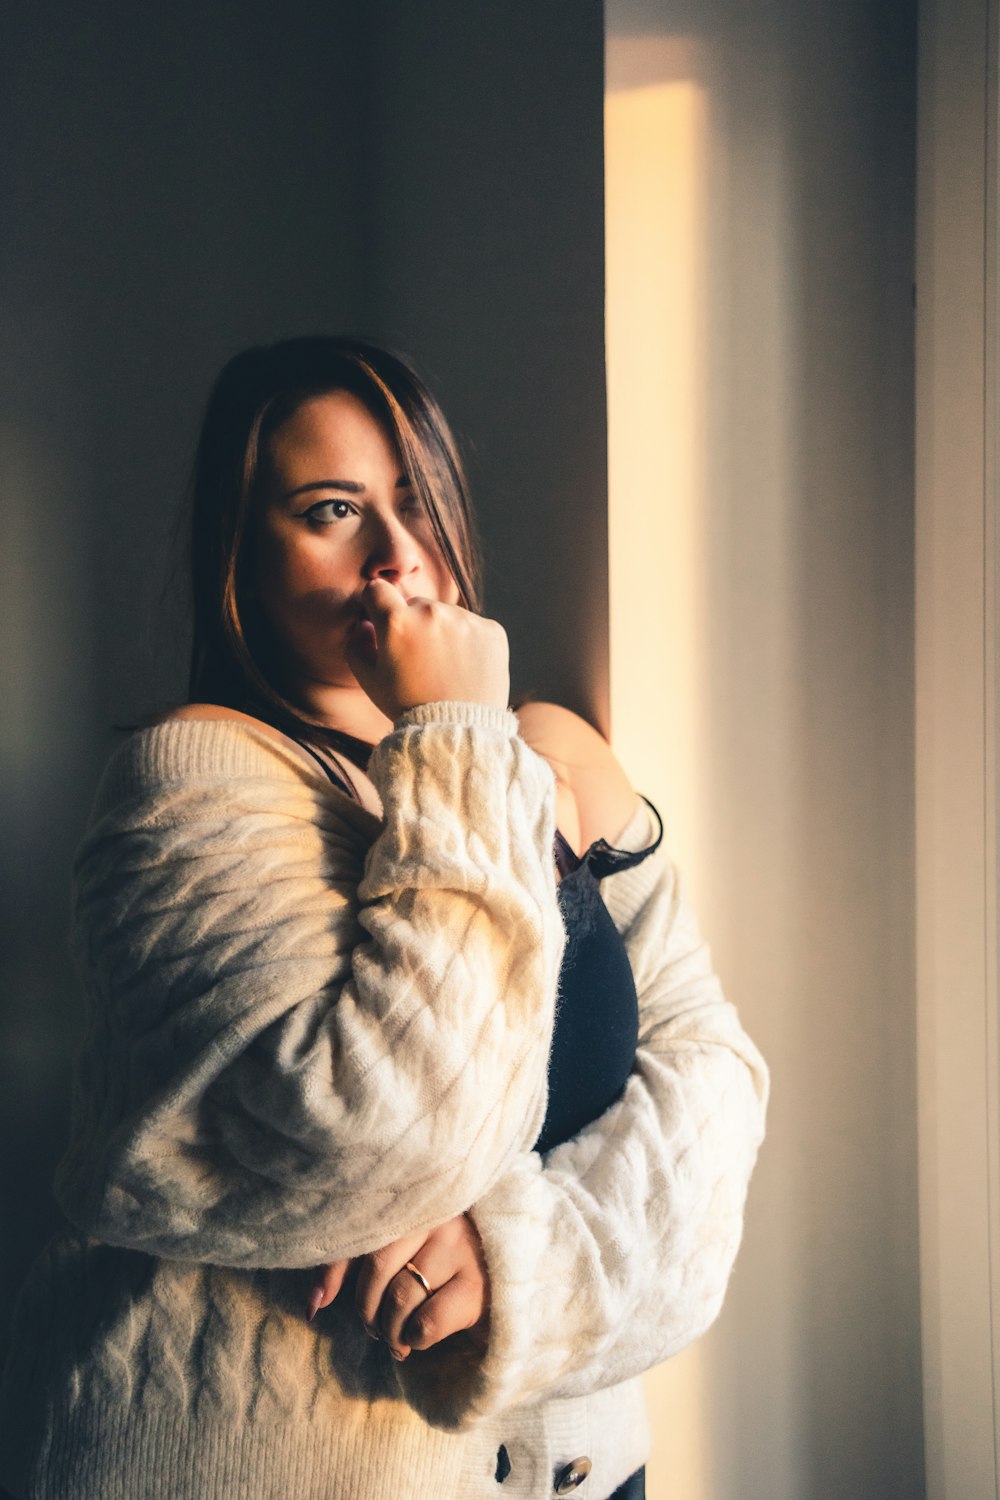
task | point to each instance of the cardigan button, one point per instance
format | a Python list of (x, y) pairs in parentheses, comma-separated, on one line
[(568, 1479)]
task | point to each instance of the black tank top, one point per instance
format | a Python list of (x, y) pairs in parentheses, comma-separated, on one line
[(597, 1011)]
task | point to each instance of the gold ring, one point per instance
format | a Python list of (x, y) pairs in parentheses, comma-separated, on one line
[(419, 1276)]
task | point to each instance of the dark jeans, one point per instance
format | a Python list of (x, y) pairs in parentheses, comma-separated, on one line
[(632, 1489)]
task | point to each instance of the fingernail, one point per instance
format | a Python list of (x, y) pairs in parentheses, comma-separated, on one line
[(315, 1301), (372, 1334), (396, 1355)]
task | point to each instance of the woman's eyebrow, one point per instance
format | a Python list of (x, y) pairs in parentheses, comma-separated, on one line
[(349, 486)]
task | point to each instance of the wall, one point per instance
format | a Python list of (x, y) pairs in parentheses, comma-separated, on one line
[(164, 206), (487, 257), (777, 516), (958, 692), (182, 182)]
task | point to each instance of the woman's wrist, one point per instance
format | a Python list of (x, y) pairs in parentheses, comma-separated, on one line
[(454, 711)]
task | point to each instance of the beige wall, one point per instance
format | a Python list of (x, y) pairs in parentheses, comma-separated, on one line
[(958, 690), (773, 609)]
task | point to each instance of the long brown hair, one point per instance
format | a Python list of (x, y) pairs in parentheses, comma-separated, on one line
[(232, 654)]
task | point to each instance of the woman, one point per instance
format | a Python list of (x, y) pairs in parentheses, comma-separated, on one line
[(358, 1211)]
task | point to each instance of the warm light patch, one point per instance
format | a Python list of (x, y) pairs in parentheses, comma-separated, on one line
[(656, 244), (656, 148)]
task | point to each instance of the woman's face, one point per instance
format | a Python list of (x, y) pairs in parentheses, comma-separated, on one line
[(335, 511)]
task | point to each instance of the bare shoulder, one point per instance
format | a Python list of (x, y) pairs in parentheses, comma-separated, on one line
[(215, 711), (365, 793), (204, 713), (565, 739), (585, 764)]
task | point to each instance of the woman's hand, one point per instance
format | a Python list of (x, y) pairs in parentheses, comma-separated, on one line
[(411, 651), (391, 1300)]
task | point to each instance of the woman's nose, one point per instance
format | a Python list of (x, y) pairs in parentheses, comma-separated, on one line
[(393, 552)]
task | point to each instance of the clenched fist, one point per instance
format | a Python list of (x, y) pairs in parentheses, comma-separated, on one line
[(405, 652)]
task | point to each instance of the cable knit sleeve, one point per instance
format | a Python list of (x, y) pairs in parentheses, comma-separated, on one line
[(613, 1252), (311, 1033)]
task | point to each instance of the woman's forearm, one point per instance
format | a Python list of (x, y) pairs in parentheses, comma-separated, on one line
[(280, 1075)]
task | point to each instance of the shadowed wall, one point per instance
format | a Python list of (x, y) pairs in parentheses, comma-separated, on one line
[(179, 183)]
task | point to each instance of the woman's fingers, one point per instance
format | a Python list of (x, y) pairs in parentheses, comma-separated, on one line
[(376, 1271), (453, 1307), (328, 1281), (367, 637), (379, 600), (396, 1304), (405, 652), (401, 1302)]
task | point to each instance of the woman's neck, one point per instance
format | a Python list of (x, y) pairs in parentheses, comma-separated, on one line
[(346, 708)]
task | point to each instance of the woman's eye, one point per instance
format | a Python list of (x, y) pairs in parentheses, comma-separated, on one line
[(328, 511)]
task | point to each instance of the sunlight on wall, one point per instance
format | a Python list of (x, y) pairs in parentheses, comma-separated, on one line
[(655, 143), (655, 172)]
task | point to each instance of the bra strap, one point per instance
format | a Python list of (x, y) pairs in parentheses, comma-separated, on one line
[(604, 859), (336, 779)]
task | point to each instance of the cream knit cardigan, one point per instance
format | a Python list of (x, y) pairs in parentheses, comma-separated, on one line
[(313, 1031)]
